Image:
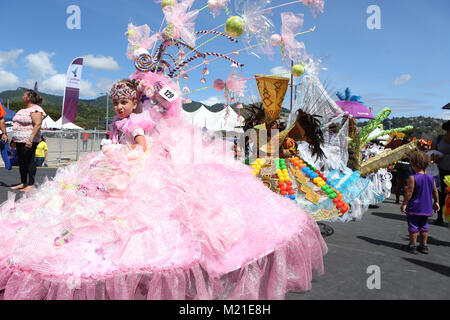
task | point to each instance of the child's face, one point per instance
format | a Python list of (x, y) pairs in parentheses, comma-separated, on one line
[(124, 107)]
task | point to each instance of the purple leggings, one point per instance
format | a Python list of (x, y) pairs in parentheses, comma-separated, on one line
[(417, 223)]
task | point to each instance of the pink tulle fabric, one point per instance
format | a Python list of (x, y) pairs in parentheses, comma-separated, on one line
[(183, 220), (236, 84), (291, 25), (317, 6), (173, 109), (143, 120), (216, 6), (138, 38), (258, 27), (182, 20)]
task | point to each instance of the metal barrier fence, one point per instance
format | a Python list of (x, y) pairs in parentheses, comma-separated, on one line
[(65, 146)]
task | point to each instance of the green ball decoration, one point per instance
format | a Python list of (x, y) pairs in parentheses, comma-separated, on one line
[(298, 70), (324, 188), (333, 195), (234, 26), (167, 3)]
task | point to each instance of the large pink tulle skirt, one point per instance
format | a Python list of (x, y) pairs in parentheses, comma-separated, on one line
[(179, 221)]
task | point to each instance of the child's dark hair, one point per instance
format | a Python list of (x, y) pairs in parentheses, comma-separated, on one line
[(34, 96), (420, 160)]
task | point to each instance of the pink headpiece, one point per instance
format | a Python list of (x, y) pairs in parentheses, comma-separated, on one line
[(121, 91)]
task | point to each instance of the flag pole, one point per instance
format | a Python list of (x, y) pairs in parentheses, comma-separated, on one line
[(292, 83)]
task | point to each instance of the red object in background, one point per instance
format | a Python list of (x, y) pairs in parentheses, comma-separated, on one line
[(394, 144), (85, 136)]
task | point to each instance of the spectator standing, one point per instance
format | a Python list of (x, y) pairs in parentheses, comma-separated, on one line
[(27, 134), (106, 141), (85, 137), (41, 153), (418, 203), (3, 123), (442, 144)]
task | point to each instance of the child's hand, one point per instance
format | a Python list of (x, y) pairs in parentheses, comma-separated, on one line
[(403, 208), (436, 207)]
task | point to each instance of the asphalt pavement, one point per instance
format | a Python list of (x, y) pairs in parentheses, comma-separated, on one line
[(365, 259)]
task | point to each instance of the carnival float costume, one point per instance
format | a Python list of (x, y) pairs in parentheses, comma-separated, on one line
[(182, 220)]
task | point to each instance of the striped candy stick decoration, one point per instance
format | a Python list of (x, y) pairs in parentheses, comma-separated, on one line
[(178, 42), (181, 65), (218, 33), (220, 55)]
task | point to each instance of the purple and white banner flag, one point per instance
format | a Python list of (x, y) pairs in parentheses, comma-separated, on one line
[(73, 83)]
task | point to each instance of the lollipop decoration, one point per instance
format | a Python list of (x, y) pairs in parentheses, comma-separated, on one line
[(144, 63)]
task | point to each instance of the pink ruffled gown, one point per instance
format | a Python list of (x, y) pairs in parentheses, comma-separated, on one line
[(180, 221)]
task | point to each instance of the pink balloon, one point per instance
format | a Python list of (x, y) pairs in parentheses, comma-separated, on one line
[(219, 84), (275, 40)]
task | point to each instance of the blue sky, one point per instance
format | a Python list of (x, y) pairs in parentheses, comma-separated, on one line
[(404, 65)]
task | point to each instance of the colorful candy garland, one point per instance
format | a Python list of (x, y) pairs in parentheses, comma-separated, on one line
[(321, 181), (285, 183)]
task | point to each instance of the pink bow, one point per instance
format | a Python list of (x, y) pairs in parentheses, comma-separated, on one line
[(181, 21), (291, 25)]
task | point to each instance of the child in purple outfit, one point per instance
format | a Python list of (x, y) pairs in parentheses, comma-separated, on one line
[(418, 204)]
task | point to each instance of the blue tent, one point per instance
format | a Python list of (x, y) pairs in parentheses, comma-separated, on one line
[(9, 113)]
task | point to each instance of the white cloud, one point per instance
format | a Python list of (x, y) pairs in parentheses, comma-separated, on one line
[(279, 70), (8, 80), (402, 79), (87, 90), (445, 115), (213, 100), (101, 62), (57, 84), (104, 85), (40, 64), (10, 56)]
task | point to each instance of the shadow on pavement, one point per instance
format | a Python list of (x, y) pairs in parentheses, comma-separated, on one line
[(378, 242), (438, 242), (387, 215), (2, 184), (431, 266)]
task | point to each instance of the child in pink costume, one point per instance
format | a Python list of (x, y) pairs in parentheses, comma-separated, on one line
[(147, 219)]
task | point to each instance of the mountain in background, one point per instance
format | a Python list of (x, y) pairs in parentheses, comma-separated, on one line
[(16, 96), (92, 113)]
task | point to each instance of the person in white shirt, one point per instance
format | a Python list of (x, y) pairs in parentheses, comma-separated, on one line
[(106, 141)]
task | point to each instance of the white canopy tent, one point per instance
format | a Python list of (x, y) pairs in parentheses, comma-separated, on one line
[(48, 123), (67, 126), (227, 120)]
